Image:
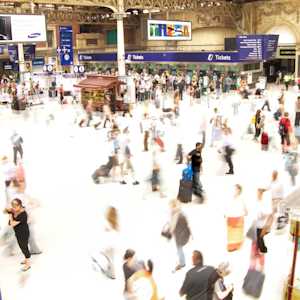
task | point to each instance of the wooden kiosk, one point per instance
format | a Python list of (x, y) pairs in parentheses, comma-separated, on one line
[(101, 90)]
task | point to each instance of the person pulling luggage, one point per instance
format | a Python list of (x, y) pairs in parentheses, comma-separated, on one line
[(195, 157)]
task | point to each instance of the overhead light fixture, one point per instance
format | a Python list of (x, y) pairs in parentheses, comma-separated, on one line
[(145, 11)]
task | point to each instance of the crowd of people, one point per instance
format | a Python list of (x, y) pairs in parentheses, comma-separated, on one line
[(161, 98)]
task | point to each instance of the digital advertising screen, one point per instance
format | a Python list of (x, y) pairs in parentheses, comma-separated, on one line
[(169, 30), (22, 28)]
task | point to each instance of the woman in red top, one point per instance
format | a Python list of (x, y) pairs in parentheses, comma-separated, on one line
[(284, 131)]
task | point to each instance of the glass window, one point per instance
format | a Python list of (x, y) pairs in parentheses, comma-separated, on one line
[(91, 42), (111, 37)]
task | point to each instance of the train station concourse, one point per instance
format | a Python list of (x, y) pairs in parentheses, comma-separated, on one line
[(149, 149)]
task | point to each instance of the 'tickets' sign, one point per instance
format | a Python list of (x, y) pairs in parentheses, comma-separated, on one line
[(213, 57)]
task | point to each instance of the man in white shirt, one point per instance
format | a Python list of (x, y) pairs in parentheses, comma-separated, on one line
[(276, 189), (277, 192)]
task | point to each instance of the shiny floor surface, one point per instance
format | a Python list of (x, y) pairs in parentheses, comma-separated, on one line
[(59, 160)]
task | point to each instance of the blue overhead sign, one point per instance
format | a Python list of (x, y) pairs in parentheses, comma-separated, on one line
[(270, 46), (208, 57), (257, 47), (250, 47), (66, 45)]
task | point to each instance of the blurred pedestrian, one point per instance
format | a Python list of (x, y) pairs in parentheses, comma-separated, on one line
[(235, 213), (199, 282), (18, 221)]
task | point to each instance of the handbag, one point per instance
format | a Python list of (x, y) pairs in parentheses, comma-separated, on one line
[(252, 233), (166, 233)]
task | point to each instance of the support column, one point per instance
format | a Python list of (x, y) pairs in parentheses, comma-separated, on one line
[(21, 61), (120, 15), (297, 63), (121, 46)]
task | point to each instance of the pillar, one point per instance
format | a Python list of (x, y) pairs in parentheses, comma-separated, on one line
[(21, 61), (297, 63), (120, 15), (121, 46)]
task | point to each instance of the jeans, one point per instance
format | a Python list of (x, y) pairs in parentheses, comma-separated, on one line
[(266, 104), (181, 256), (17, 149), (179, 153), (146, 137), (197, 186)]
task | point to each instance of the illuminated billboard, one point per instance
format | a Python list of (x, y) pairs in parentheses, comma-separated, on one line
[(22, 28), (169, 30)]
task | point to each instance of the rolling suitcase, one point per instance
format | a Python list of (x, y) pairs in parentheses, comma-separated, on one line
[(103, 171), (185, 191), (253, 283)]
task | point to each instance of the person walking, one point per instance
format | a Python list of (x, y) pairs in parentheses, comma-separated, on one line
[(143, 277), (145, 128), (284, 131), (199, 282), (228, 149), (263, 219), (195, 157), (16, 191), (180, 230), (61, 94), (235, 213), (278, 78), (216, 122), (131, 265), (18, 221), (297, 112), (258, 123), (125, 161), (222, 292), (17, 142)]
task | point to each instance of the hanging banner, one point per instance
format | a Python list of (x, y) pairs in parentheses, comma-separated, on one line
[(66, 45), (22, 28), (29, 52), (161, 30), (13, 53)]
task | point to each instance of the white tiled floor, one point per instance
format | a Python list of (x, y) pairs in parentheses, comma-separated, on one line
[(59, 160)]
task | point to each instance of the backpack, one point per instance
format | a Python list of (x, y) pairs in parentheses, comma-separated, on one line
[(264, 138), (187, 173), (282, 128)]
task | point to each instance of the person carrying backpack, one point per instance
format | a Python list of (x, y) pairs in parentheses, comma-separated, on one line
[(284, 131)]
